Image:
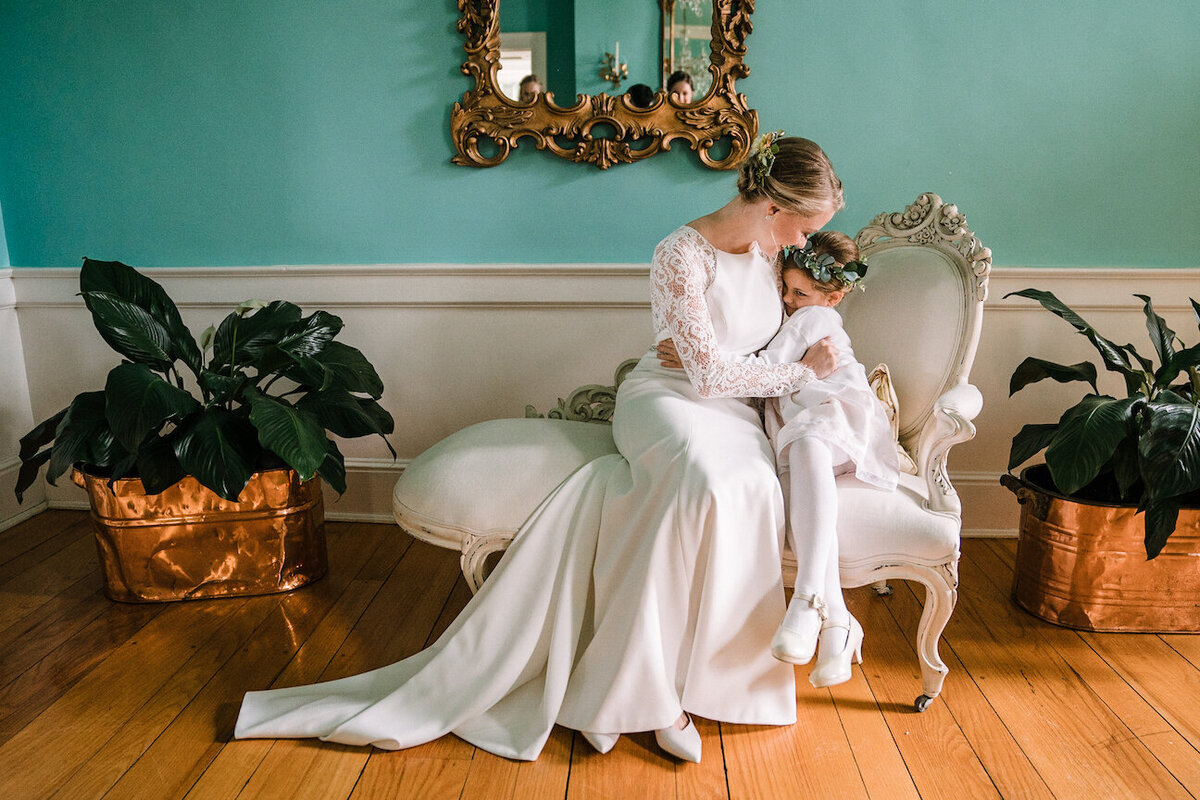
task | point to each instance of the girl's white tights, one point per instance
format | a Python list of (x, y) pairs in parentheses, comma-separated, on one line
[(812, 510)]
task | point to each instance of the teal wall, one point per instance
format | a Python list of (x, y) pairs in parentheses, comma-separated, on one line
[(225, 132)]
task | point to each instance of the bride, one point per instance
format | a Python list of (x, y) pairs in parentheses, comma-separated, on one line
[(647, 586)]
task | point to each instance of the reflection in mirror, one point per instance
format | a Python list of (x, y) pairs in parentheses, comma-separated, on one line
[(687, 28), (537, 68)]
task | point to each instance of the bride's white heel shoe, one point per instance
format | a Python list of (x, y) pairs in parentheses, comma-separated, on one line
[(683, 743), (796, 639), (839, 643), (602, 742)]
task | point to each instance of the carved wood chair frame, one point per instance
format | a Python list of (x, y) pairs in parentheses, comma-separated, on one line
[(626, 133)]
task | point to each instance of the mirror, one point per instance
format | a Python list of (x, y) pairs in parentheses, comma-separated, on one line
[(569, 45)]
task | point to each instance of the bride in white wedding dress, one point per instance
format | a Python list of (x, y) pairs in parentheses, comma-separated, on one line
[(647, 586)]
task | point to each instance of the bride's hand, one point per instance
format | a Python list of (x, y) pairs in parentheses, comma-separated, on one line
[(667, 355), (821, 358)]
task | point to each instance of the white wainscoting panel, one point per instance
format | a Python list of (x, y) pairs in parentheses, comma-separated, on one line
[(456, 344)]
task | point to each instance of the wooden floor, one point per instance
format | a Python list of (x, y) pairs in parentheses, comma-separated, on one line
[(100, 699)]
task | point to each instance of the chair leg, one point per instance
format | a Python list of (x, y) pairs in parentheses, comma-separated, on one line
[(475, 552), (881, 588), (941, 594)]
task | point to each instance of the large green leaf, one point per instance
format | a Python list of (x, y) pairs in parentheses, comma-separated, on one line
[(77, 435), (1112, 355), (338, 366), (1030, 441), (130, 330), (1161, 336), (120, 280), (139, 401), (1188, 357), (220, 449), (158, 466), (351, 370), (242, 339), (348, 416), (41, 435), (1161, 519), (1127, 469), (294, 435), (1169, 450), (333, 468), (28, 472), (1088, 433), (1032, 370), (311, 334), (222, 388)]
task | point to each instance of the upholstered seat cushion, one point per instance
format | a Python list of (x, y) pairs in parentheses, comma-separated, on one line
[(877, 527), (488, 477)]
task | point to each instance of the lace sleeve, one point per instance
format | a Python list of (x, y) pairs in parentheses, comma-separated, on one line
[(681, 271)]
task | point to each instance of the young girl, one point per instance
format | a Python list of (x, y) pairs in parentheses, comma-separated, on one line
[(826, 428)]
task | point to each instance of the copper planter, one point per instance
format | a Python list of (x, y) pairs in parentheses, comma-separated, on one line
[(1083, 565), (187, 543)]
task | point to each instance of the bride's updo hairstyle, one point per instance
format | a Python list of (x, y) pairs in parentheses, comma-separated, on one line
[(793, 173)]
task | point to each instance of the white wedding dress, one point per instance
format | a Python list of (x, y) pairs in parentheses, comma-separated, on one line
[(646, 584)]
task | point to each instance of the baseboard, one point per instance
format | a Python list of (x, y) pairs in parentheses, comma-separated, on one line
[(989, 510), (12, 512)]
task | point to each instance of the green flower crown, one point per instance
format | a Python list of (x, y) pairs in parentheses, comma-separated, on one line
[(824, 267), (762, 154)]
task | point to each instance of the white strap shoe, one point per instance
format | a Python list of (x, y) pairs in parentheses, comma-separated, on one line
[(839, 643), (796, 639), (683, 743)]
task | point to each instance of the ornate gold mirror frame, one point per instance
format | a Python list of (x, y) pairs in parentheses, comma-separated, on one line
[(626, 133)]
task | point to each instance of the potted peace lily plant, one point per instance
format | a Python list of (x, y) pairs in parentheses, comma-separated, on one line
[(1110, 521), (203, 460)]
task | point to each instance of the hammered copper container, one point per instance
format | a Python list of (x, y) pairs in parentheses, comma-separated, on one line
[(187, 543), (1083, 565)]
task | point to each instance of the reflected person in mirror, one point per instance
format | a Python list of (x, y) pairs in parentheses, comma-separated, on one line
[(680, 87), (530, 89)]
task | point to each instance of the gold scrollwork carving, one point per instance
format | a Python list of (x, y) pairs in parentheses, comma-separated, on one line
[(628, 133)]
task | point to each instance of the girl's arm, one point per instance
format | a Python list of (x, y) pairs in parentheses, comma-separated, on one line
[(679, 276)]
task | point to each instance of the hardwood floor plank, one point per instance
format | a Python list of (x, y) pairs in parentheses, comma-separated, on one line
[(998, 752), (706, 780), (21, 539), (75, 726), (1166, 686), (1129, 684), (30, 589), (261, 646), (138, 701), (237, 760), (304, 769), (100, 772), (395, 624), (544, 779), (1078, 746), (635, 767), (936, 751), (32, 637), (880, 764), (405, 778), (42, 684)]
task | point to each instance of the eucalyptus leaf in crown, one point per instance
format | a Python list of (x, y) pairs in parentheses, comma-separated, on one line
[(272, 384), (824, 267)]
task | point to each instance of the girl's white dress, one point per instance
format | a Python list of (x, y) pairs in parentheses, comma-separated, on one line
[(646, 584), (840, 409)]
